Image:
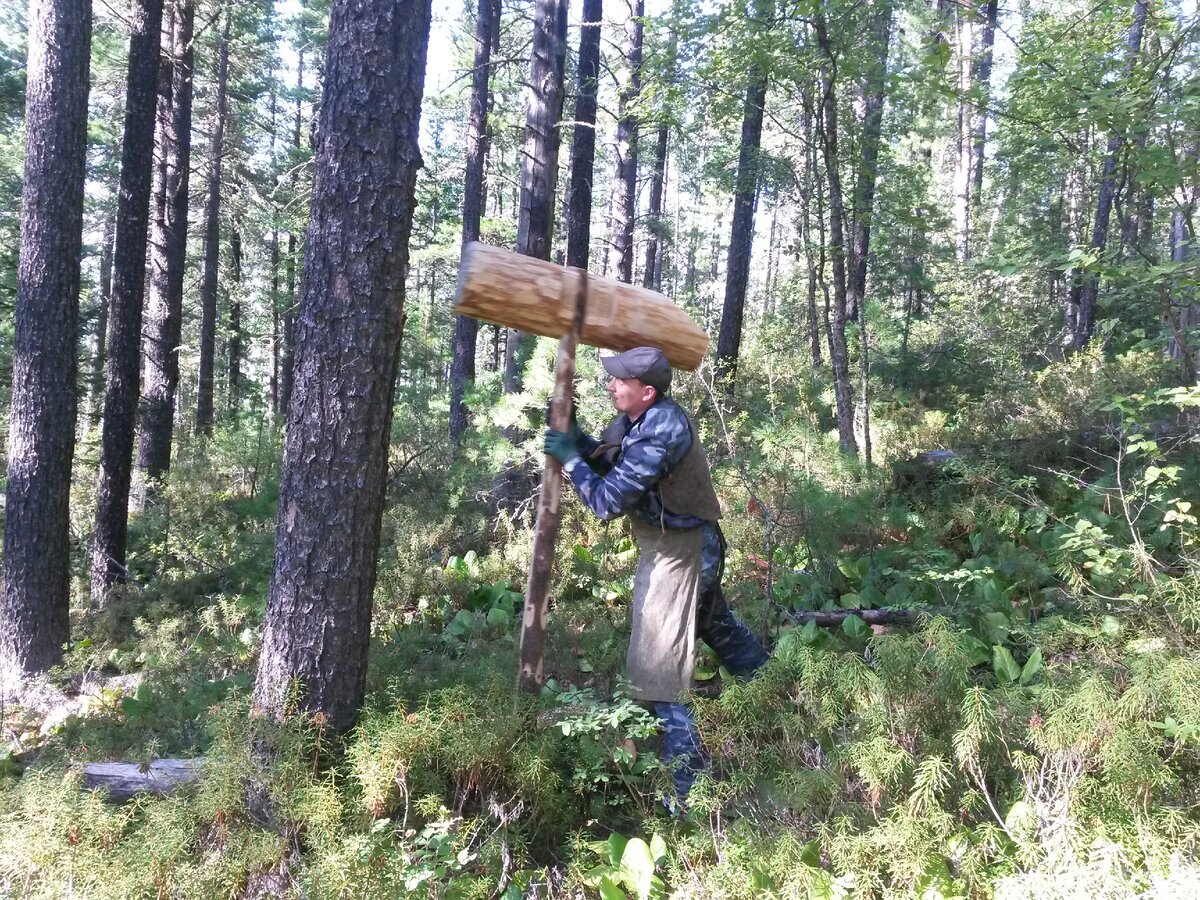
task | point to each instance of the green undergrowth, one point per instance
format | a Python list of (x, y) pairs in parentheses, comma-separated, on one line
[(1032, 731)]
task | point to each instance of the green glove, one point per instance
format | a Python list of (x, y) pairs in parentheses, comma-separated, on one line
[(560, 445), (573, 429)]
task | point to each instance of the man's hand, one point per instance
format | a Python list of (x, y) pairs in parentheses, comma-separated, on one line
[(560, 445), (573, 429)]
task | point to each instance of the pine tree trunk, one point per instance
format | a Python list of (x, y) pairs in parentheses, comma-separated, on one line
[(583, 138), (741, 238), (466, 329), (125, 315), (624, 199), (1082, 319), (212, 242), (539, 159), (652, 277), (318, 622), (164, 313), (235, 316), (289, 314), (807, 184), (34, 622), (838, 354), (964, 134), (101, 356), (983, 85)]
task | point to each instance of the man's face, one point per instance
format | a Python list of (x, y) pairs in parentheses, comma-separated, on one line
[(630, 396)]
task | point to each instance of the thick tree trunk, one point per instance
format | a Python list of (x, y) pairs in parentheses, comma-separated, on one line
[(539, 159), (164, 313), (838, 354), (212, 242), (466, 329), (1082, 318), (125, 317), (624, 199), (34, 621), (583, 138), (331, 494), (741, 238)]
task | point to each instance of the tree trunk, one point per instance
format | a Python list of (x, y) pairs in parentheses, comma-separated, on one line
[(983, 86), (1083, 317), (741, 238), (583, 138), (624, 199), (466, 329), (168, 257), (331, 494), (807, 183), (964, 133), (539, 159), (101, 357), (235, 315), (212, 242), (289, 314), (655, 224), (838, 354), (125, 316), (34, 622)]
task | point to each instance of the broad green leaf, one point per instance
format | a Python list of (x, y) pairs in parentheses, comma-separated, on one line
[(855, 627), (1033, 665), (1004, 665), (637, 867)]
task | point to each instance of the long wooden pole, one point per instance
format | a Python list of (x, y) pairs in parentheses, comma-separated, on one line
[(530, 673)]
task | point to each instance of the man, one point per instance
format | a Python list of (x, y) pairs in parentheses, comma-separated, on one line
[(649, 465)]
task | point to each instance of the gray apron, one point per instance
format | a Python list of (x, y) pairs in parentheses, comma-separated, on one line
[(665, 591)]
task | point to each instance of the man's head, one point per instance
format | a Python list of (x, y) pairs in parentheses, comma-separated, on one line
[(639, 377)]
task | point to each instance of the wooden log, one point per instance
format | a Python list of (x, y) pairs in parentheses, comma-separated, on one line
[(530, 673), (529, 294), (833, 618), (125, 780)]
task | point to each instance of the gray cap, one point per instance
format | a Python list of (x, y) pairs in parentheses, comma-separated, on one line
[(647, 364)]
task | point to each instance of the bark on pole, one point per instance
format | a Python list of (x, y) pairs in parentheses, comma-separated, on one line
[(530, 674), (34, 622), (331, 494), (125, 315)]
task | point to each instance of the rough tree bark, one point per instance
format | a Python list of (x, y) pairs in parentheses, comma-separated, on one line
[(466, 329), (1080, 316), (164, 312), (624, 197), (33, 610), (583, 138), (331, 495), (125, 314), (212, 241), (539, 159), (838, 355)]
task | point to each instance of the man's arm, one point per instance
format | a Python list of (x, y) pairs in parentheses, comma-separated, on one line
[(643, 463)]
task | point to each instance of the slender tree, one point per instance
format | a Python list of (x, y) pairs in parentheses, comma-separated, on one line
[(33, 609), (583, 137), (101, 355), (741, 237), (168, 256), (982, 78), (1080, 316), (624, 195), (655, 226), (212, 239), (125, 316), (235, 315), (828, 128), (289, 314), (347, 342), (466, 329), (965, 131), (539, 158)]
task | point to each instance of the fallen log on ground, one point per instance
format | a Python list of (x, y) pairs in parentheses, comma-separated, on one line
[(125, 780), (833, 618)]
